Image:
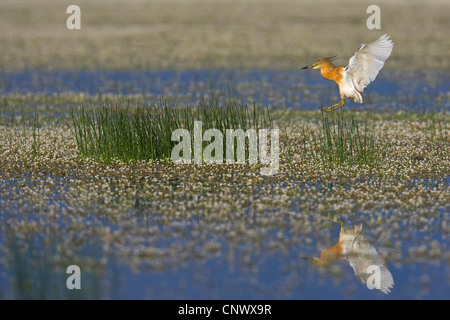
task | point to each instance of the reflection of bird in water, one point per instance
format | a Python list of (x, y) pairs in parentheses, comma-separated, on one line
[(360, 254)]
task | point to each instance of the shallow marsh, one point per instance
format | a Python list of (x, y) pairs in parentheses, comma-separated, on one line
[(153, 229), (160, 230)]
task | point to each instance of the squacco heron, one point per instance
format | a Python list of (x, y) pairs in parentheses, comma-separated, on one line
[(362, 69)]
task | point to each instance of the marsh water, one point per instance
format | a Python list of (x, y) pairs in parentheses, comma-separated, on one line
[(127, 247), (292, 89)]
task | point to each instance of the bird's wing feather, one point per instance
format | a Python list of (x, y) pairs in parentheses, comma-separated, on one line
[(368, 60)]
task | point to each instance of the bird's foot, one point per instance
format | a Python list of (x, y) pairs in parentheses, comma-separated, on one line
[(328, 109), (333, 107)]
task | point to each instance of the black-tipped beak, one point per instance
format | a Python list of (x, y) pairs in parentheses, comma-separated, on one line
[(305, 68)]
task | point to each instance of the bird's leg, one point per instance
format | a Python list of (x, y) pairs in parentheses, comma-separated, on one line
[(339, 104), (334, 106)]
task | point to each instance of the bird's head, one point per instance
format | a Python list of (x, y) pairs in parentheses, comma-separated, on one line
[(319, 261), (321, 63)]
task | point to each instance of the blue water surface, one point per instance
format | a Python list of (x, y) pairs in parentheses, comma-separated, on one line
[(293, 89)]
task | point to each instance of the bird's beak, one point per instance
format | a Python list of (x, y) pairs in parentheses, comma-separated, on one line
[(306, 67)]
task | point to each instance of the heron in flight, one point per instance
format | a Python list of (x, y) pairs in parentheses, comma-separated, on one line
[(362, 69)]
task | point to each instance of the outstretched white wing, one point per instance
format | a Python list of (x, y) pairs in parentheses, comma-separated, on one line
[(364, 259), (368, 60)]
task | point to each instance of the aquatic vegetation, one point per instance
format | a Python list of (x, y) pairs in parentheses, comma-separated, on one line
[(84, 176), (438, 135), (344, 142), (217, 227), (156, 217), (137, 133)]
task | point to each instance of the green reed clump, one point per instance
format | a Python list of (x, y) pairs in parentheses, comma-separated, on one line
[(438, 137), (133, 133), (344, 141)]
